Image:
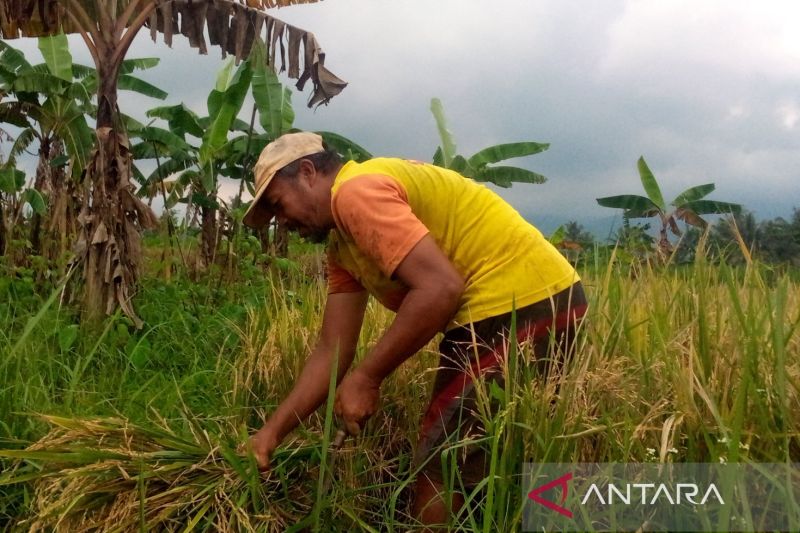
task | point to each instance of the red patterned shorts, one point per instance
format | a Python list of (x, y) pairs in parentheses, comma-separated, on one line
[(479, 349)]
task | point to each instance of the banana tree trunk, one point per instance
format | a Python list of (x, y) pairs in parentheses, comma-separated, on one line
[(208, 234), (41, 184), (664, 246), (2, 228), (49, 182), (64, 209), (112, 216)]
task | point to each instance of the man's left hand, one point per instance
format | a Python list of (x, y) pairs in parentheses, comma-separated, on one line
[(356, 400)]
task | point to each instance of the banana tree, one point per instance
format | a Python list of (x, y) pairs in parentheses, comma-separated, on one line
[(47, 101), (51, 105), (478, 166), (231, 153), (14, 198), (199, 163), (688, 206), (113, 217), (198, 166), (48, 106)]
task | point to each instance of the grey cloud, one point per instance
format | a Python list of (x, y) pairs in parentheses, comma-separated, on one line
[(570, 73)]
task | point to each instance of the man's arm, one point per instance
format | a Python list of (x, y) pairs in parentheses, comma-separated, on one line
[(435, 289), (341, 325)]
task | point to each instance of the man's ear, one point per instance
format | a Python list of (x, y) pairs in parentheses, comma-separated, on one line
[(307, 171)]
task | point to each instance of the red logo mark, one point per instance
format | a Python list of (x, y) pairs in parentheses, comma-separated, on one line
[(560, 482)]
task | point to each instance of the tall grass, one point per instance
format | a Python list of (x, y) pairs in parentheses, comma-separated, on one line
[(686, 364)]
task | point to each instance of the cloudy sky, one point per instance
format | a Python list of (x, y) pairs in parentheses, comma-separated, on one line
[(705, 90)]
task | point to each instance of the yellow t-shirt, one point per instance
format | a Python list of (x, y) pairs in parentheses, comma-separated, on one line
[(383, 207)]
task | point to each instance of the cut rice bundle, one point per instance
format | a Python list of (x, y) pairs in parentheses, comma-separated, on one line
[(111, 475)]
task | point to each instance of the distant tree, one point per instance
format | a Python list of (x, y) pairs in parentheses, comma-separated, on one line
[(726, 235), (634, 238), (688, 206), (775, 241), (779, 242), (686, 249), (572, 240), (575, 232)]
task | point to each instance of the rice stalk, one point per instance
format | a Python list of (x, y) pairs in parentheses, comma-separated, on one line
[(107, 474)]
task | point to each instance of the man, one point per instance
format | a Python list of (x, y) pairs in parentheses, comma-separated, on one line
[(447, 255)]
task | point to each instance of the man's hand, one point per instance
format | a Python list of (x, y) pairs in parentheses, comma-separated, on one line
[(263, 443), (356, 400)]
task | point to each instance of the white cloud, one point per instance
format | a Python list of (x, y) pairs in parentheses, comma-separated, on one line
[(789, 115), (738, 111), (675, 40)]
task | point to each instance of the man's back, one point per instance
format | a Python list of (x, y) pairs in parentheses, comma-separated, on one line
[(384, 206)]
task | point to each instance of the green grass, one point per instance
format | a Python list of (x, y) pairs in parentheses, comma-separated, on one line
[(699, 363)]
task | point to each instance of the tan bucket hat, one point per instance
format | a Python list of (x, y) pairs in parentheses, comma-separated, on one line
[(284, 150)]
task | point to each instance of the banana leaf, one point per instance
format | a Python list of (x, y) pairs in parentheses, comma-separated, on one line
[(501, 152), (650, 185), (224, 106), (627, 201), (35, 199), (448, 147), (70, 125), (503, 176), (163, 137), (127, 82), (181, 119), (712, 207), (140, 63), (693, 193), (274, 102), (11, 58), (55, 51), (11, 180)]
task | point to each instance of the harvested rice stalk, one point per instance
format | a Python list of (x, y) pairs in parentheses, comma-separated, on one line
[(111, 475)]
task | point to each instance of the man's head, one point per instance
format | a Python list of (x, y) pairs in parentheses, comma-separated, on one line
[(293, 178)]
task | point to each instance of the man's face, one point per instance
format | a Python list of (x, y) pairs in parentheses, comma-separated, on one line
[(300, 203)]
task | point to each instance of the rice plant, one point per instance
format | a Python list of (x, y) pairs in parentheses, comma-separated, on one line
[(683, 364)]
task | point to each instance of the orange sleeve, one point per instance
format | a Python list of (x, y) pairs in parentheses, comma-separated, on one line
[(373, 210), (339, 279)]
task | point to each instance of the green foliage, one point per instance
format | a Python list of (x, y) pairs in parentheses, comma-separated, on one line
[(573, 241), (273, 101), (55, 98), (688, 205), (12, 61), (181, 120), (347, 148), (63, 109), (448, 147), (34, 198), (11, 180), (775, 241), (650, 185), (211, 360), (131, 83), (478, 166), (55, 51), (12, 183), (224, 104)]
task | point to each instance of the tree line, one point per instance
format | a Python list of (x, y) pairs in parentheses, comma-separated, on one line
[(734, 239)]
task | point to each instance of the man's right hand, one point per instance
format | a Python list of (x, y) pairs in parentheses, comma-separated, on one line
[(263, 443)]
